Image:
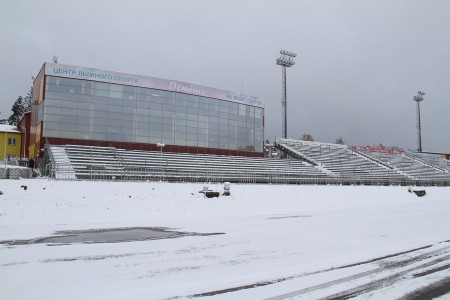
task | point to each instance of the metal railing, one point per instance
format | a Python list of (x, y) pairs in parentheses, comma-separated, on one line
[(108, 173)]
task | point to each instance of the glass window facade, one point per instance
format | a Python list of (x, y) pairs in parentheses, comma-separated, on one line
[(89, 110)]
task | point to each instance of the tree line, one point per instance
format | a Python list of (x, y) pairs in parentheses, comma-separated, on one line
[(19, 107)]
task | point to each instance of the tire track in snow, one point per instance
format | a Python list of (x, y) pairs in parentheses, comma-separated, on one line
[(385, 263), (386, 280)]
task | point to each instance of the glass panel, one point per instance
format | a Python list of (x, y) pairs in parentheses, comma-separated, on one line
[(202, 131), (181, 96), (141, 132), (114, 101), (180, 122), (129, 92), (129, 110), (156, 126), (179, 128), (224, 109), (51, 133), (156, 119), (141, 139), (69, 104), (143, 111), (242, 110), (51, 125), (191, 130), (52, 110), (192, 123), (156, 113), (144, 94), (142, 125), (180, 102), (191, 136), (115, 91), (141, 104), (128, 102), (114, 108), (101, 89)]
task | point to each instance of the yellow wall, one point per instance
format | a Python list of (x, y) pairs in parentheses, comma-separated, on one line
[(10, 150)]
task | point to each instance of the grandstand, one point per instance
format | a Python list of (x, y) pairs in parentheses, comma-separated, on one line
[(417, 166), (306, 163), (341, 161), (110, 163)]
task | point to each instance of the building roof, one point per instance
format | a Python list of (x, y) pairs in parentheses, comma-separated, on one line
[(9, 128)]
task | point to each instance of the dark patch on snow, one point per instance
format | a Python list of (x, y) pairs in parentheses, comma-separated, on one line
[(383, 257), (431, 291), (432, 271), (108, 235)]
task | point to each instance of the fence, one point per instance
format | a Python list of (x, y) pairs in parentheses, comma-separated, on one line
[(107, 173)]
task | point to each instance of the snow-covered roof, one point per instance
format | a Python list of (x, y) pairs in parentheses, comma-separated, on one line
[(9, 128)]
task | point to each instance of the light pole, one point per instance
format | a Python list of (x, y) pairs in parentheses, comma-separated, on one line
[(418, 99), (161, 146), (285, 60)]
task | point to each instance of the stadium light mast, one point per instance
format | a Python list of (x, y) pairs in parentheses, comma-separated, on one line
[(418, 99), (285, 60), (161, 146)]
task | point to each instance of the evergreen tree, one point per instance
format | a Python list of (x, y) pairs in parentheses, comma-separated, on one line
[(28, 101), (17, 111)]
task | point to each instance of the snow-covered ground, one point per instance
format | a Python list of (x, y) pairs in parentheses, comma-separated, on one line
[(279, 241)]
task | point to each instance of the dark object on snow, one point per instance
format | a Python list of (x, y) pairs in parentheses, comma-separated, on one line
[(1, 193), (24, 187), (208, 193), (211, 194), (419, 193), (31, 164)]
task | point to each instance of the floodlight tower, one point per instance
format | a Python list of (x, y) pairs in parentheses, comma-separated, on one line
[(418, 99), (285, 60)]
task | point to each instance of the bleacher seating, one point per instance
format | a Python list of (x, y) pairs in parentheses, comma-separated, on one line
[(111, 163), (308, 162), (416, 166), (340, 160)]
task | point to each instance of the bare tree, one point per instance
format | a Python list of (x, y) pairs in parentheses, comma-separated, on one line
[(307, 137), (340, 141)]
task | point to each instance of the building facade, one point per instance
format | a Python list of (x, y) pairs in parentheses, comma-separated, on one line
[(78, 105), (10, 142)]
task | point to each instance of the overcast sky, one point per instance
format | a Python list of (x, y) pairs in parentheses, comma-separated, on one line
[(359, 63)]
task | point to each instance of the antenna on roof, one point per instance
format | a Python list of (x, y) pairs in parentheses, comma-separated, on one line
[(55, 59)]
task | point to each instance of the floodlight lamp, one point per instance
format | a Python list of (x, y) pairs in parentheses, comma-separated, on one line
[(421, 93), (418, 98)]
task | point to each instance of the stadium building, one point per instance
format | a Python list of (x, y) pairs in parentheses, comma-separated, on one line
[(86, 106)]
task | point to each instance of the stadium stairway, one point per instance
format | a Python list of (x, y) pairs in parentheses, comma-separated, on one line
[(62, 167)]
